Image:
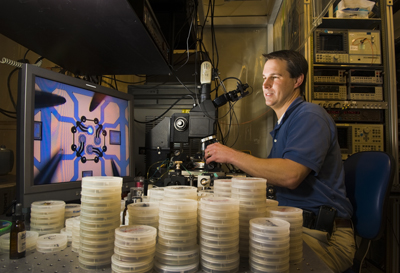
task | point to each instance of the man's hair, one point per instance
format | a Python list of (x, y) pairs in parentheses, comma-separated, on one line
[(296, 64)]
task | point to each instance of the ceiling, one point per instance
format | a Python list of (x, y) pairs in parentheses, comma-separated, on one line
[(240, 13)]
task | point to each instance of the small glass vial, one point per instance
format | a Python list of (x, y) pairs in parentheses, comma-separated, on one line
[(18, 234)]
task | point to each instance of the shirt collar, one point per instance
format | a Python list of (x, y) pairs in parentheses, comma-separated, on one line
[(290, 109)]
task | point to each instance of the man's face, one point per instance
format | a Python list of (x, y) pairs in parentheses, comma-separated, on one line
[(278, 86)]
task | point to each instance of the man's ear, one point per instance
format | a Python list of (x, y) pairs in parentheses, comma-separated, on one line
[(299, 81)]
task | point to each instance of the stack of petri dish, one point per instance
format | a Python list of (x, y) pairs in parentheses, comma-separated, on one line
[(271, 203), (72, 210), (50, 243), (219, 234), (269, 245), (222, 187), (31, 239), (134, 249), (76, 222), (100, 216), (69, 235), (47, 217), (251, 193), (123, 203), (144, 213), (294, 216), (180, 192), (177, 249), (156, 194), (69, 225)]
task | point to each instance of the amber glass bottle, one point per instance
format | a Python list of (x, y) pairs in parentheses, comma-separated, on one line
[(17, 234)]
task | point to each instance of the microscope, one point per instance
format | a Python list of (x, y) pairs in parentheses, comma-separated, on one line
[(196, 128)]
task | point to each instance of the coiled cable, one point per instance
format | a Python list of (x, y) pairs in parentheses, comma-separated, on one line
[(15, 63)]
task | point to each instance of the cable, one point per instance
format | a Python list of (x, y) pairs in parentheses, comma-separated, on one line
[(223, 86), (115, 80), (26, 53), (15, 63), (162, 163), (183, 165), (9, 88), (7, 113), (193, 93), (237, 136), (214, 47), (187, 50), (124, 81), (231, 114), (148, 87), (182, 59), (201, 44), (17, 66), (362, 40), (39, 61), (187, 40), (11, 62), (109, 84)]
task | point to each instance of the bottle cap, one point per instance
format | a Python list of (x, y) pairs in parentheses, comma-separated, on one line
[(18, 212)]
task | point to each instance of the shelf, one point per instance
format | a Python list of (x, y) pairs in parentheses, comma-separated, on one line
[(346, 23), (68, 261), (348, 66)]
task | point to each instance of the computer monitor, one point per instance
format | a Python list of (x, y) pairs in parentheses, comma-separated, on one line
[(68, 128)]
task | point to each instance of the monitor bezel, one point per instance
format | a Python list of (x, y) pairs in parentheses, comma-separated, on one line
[(27, 192)]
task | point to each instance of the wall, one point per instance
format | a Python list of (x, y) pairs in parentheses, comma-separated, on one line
[(289, 28), (11, 50), (240, 55)]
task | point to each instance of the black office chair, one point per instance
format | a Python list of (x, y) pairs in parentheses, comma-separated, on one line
[(368, 178)]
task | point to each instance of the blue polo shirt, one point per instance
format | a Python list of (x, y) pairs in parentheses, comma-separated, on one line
[(307, 135)]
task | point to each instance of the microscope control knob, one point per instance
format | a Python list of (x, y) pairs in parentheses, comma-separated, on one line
[(181, 124), (204, 181)]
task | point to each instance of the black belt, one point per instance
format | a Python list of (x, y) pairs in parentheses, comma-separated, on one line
[(343, 223), (309, 218)]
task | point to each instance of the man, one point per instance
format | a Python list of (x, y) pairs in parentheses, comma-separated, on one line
[(305, 164)]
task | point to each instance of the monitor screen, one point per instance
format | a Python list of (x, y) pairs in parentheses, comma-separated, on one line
[(363, 89), (343, 133), (68, 129), (331, 42)]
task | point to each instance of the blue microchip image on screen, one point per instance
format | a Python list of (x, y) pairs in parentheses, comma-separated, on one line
[(37, 130), (115, 137), (84, 130), (87, 173)]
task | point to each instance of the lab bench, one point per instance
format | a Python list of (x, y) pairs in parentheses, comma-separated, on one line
[(66, 261)]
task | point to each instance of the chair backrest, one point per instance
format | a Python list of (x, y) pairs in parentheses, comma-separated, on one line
[(368, 178)]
